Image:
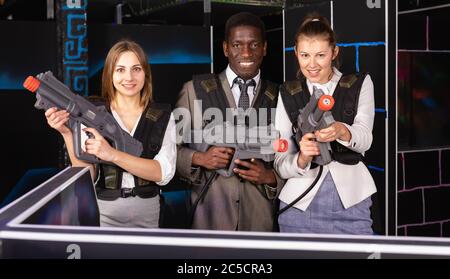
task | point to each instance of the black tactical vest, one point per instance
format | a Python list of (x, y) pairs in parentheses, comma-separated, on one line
[(296, 95), (150, 132), (208, 88)]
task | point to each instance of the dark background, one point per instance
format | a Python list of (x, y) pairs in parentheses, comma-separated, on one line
[(423, 119), (416, 131)]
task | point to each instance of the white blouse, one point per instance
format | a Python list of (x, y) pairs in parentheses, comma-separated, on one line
[(166, 156), (354, 183)]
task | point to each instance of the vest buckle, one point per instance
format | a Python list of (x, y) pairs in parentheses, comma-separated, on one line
[(127, 192)]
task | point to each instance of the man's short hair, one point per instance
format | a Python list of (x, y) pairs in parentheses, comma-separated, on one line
[(244, 19)]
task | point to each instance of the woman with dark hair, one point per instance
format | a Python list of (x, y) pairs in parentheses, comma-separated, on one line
[(334, 197), (128, 186)]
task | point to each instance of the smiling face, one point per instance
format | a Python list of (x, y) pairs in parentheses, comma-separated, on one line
[(128, 75), (315, 56), (245, 50)]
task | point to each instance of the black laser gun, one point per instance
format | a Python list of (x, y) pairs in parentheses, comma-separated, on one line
[(50, 92), (259, 142), (316, 115)]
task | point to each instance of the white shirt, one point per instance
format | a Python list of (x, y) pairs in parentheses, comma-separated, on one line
[(167, 155), (251, 90), (353, 182)]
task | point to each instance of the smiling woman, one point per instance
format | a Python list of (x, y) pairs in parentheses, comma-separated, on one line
[(340, 202), (127, 186)]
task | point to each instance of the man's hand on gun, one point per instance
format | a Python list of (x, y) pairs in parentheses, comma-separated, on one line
[(216, 157), (255, 172)]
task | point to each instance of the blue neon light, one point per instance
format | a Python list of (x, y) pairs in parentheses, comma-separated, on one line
[(175, 57), (8, 82), (376, 168)]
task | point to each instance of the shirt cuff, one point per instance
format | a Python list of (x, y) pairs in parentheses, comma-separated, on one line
[(300, 170), (165, 170), (343, 142)]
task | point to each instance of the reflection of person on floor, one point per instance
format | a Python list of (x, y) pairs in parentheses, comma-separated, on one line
[(243, 201), (128, 191), (340, 201)]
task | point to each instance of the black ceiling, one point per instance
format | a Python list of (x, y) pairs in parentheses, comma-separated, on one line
[(183, 12), (187, 12), (180, 12)]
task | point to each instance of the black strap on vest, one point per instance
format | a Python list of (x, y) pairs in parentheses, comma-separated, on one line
[(208, 88), (150, 131), (346, 98), (296, 95)]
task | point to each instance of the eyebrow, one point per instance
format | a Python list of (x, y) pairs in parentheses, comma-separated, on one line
[(121, 66), (323, 51)]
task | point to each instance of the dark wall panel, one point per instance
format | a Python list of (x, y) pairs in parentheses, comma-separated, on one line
[(28, 48), (354, 21), (27, 142), (411, 31)]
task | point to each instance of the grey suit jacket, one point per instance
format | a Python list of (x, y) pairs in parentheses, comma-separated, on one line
[(229, 204)]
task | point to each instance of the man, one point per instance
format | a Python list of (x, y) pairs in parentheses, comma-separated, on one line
[(245, 200)]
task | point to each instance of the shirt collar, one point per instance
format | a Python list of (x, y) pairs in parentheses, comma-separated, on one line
[(232, 75), (328, 87)]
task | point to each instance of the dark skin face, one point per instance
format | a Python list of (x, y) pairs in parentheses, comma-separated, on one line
[(245, 50)]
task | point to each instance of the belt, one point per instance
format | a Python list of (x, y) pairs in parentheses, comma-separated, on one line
[(144, 192)]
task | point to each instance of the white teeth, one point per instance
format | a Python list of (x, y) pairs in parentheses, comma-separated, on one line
[(246, 63)]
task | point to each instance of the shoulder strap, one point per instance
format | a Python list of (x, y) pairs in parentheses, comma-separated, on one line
[(267, 98), (347, 96), (295, 95), (151, 131), (208, 88)]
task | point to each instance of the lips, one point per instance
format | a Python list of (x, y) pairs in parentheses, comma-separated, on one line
[(246, 64), (129, 86), (313, 73)]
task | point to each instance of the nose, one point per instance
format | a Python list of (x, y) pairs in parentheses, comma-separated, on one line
[(128, 75), (313, 62), (246, 51)]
